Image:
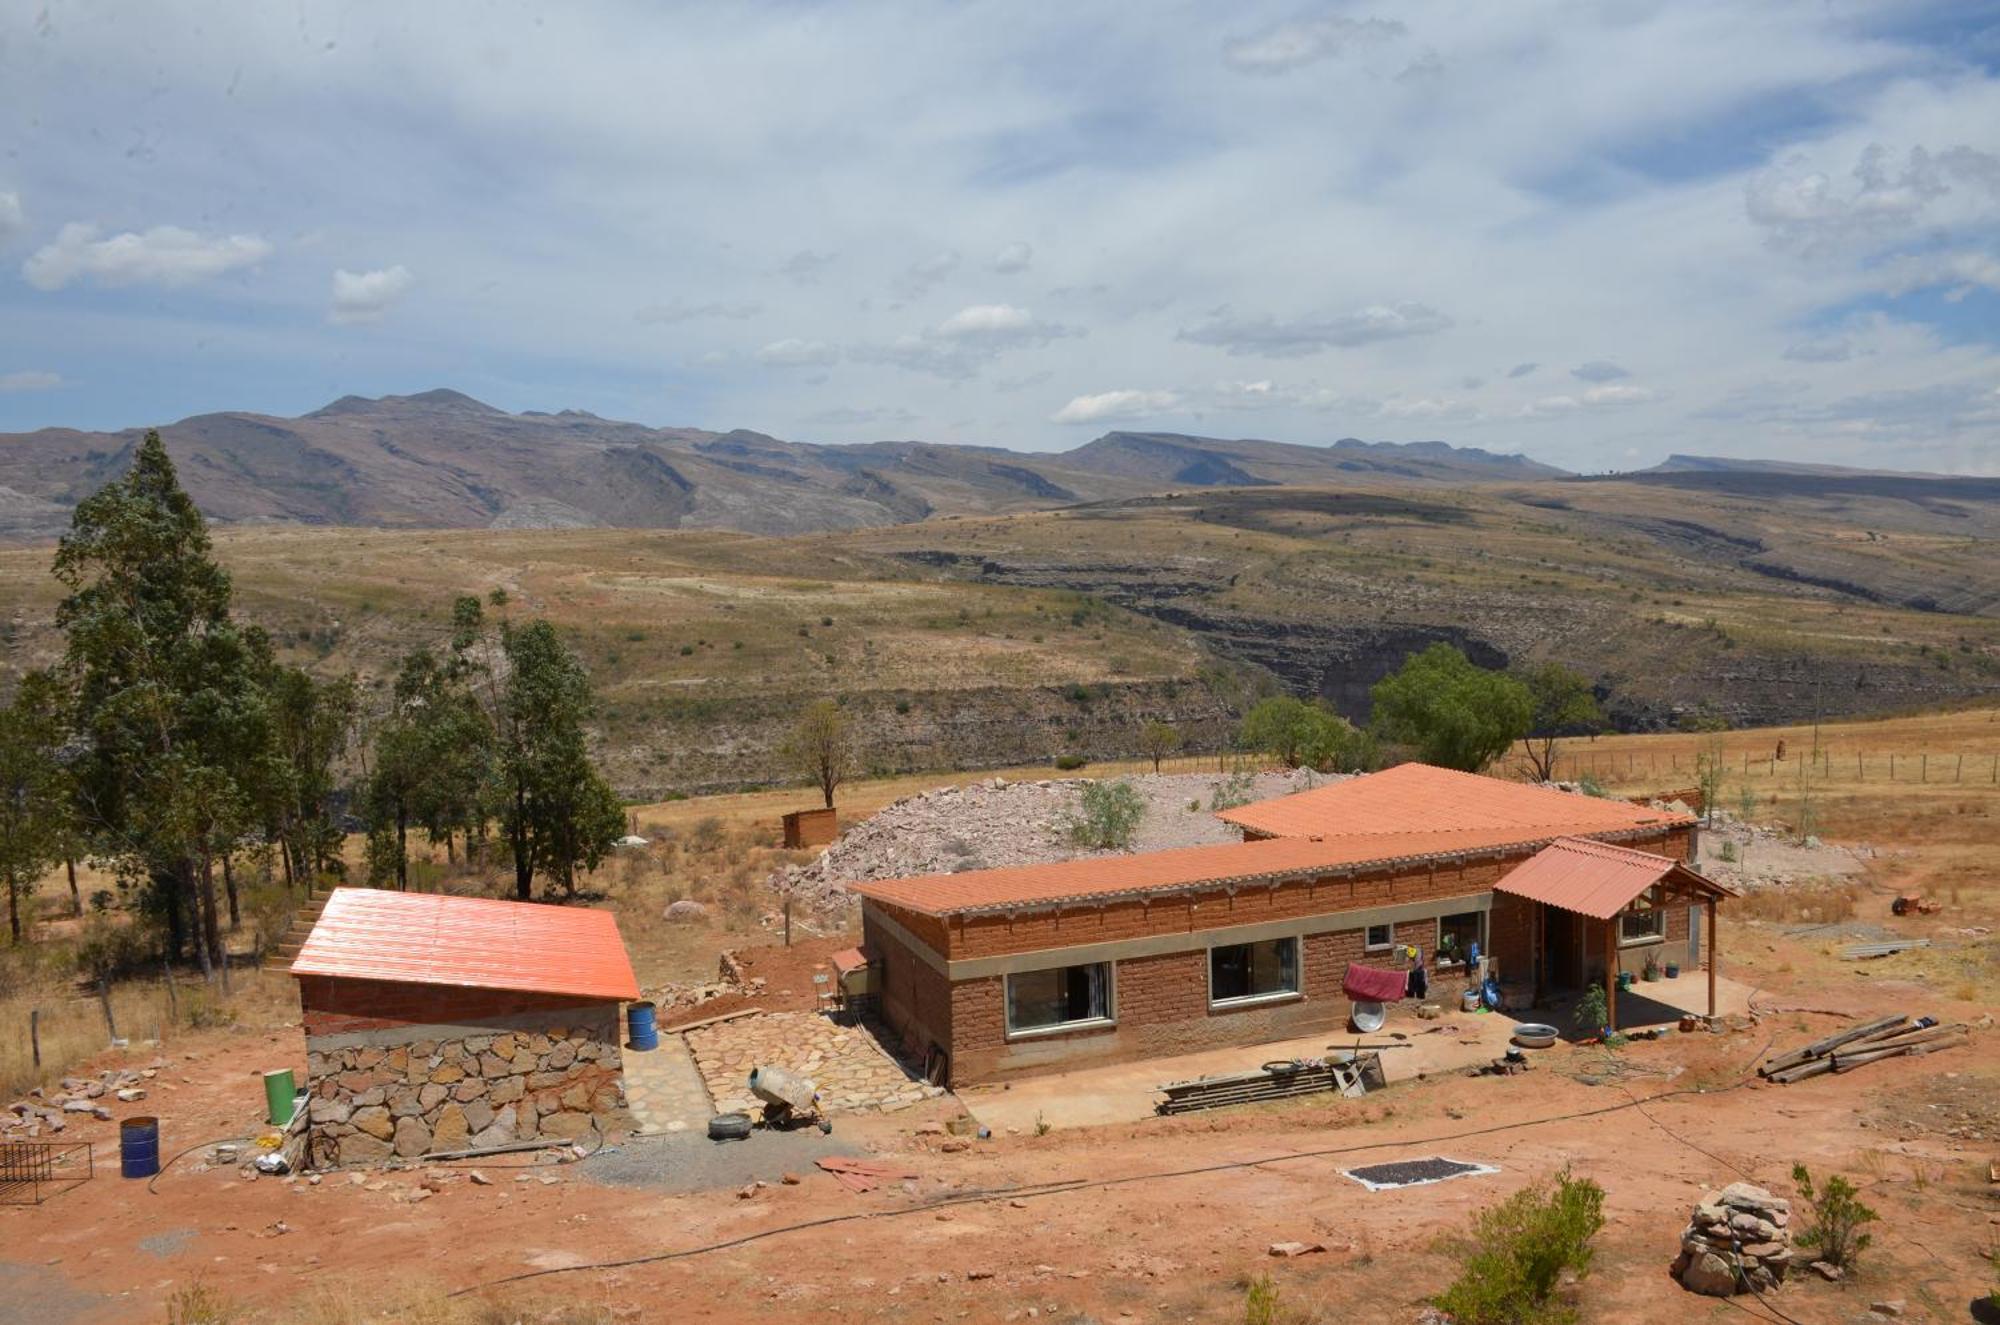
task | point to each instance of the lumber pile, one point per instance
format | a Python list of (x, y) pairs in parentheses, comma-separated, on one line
[(1885, 1037), (1274, 1082)]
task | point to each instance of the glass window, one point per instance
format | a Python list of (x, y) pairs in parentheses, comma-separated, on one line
[(1457, 935), (1379, 937), (1638, 926), (1060, 996), (1253, 970)]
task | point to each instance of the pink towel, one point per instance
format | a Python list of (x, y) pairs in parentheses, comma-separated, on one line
[(1369, 985)]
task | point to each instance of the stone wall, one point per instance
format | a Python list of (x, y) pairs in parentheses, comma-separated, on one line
[(421, 1089)]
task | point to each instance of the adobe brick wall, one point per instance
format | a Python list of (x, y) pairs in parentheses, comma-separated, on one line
[(405, 1070), (916, 1001)]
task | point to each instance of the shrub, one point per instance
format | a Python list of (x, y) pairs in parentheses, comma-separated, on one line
[(198, 1304), (1521, 1248), (1231, 792), (1593, 1008), (1107, 815), (1590, 786), (1260, 1302), (1729, 851), (1834, 1216), (1070, 763)]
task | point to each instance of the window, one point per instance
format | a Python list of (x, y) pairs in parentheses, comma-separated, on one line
[(1241, 972), (1379, 937), (1061, 998), (1457, 935), (1642, 926)]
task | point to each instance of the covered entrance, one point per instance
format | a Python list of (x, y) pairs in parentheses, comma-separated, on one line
[(1600, 908)]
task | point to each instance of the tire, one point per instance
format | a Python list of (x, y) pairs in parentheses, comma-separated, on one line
[(729, 1127)]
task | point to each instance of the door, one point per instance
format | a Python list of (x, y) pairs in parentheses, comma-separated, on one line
[(1562, 947)]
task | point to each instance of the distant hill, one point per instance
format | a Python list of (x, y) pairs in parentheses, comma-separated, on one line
[(1784, 478), (441, 459), (1164, 457)]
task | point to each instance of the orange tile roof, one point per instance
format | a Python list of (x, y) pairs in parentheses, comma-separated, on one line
[(1596, 878), (1096, 878), (1420, 798), (432, 939)]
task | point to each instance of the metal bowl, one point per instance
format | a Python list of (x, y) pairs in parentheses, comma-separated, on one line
[(1368, 1016), (1535, 1035)]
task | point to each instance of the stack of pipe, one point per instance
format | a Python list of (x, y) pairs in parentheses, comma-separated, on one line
[(1885, 1037)]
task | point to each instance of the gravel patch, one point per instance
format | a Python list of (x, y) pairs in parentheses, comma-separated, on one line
[(997, 823), (683, 1163)]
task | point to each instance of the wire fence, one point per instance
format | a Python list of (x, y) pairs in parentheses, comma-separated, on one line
[(1829, 763)]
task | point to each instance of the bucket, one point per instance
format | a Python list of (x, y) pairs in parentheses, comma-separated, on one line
[(139, 1147), (1469, 1000), (280, 1095), (640, 1028)]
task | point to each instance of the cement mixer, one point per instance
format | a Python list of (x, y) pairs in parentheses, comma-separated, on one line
[(790, 1100)]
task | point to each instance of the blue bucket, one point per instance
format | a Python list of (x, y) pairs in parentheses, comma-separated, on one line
[(640, 1028), (139, 1147)]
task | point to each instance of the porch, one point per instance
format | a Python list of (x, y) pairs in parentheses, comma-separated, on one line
[(1599, 910)]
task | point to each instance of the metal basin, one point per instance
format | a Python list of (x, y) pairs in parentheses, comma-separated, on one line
[(1535, 1035)]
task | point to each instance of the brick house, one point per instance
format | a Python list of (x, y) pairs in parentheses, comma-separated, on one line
[(437, 1024), (1003, 972)]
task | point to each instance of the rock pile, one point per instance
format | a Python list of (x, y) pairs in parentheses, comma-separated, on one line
[(1737, 1240), (47, 1112), (995, 823)]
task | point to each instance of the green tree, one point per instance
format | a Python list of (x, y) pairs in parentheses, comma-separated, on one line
[(1456, 714), (1106, 816), (310, 724), (1564, 705), (1520, 1251), (821, 747), (1299, 734), (554, 801), (1157, 740), (34, 799), (164, 688)]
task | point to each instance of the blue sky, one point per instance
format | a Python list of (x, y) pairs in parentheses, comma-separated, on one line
[(1595, 232)]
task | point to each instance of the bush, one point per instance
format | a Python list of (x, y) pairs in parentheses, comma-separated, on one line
[(1231, 792), (1260, 1302), (1521, 1248), (1107, 815), (1070, 763), (1834, 1217), (1592, 1009)]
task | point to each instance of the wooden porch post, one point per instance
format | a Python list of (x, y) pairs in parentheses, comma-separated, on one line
[(1611, 973), (1711, 956)]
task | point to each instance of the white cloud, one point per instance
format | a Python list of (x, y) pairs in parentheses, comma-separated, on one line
[(1823, 349), (1803, 208), (30, 379), (806, 266), (1598, 370), (366, 296), (166, 256), (13, 219), (1597, 398), (679, 310), (1288, 46), (1266, 394), (1117, 405), (1012, 258), (793, 352), (1962, 272), (958, 347), (922, 276), (1288, 338)]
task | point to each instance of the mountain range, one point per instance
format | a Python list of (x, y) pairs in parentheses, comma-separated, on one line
[(441, 459)]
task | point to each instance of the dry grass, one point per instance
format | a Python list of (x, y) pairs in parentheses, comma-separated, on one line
[(1810, 904)]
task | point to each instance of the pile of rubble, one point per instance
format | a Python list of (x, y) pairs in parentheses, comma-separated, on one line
[(1737, 1241), (995, 823), (49, 1111)]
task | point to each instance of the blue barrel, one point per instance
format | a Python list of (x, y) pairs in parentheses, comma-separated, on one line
[(640, 1027), (139, 1147)]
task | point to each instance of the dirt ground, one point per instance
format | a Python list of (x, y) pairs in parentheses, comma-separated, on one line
[(1159, 1220)]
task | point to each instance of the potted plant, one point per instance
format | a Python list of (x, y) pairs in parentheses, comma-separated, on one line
[(1673, 970), (1652, 967)]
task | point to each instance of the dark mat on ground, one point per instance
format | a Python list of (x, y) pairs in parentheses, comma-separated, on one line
[(1412, 1172), (683, 1162)]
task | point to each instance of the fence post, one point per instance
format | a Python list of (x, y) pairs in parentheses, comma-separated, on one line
[(173, 996), (35, 1035)]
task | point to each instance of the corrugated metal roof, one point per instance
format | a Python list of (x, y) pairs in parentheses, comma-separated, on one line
[(1422, 798), (432, 939), (1597, 879), (1099, 877)]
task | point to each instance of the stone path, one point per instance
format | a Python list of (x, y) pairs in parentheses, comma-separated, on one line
[(663, 1090), (850, 1067)]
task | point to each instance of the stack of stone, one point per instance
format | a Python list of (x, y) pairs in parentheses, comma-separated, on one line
[(1737, 1241)]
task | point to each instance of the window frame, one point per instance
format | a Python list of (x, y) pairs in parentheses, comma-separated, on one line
[(1437, 939), (1658, 934), (1387, 944), (1230, 1004), (1109, 1019)]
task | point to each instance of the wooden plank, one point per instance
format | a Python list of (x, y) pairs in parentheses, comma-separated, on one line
[(1820, 1048)]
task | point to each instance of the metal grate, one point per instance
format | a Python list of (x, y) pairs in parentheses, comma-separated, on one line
[(1413, 1172), (33, 1171)]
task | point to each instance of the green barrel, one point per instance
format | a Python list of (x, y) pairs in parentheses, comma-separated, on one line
[(279, 1093)]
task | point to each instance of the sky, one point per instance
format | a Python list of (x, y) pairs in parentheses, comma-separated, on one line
[(1596, 233)]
